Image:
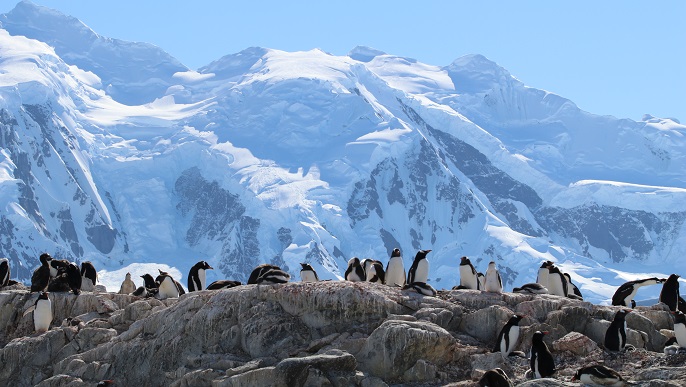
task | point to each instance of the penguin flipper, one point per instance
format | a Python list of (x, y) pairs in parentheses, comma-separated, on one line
[(29, 310)]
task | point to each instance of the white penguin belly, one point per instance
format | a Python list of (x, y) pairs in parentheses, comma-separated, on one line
[(168, 289), (492, 283), (307, 276), (543, 277), (468, 278), (514, 336), (555, 286), (396, 272), (422, 272), (680, 334), (42, 316)]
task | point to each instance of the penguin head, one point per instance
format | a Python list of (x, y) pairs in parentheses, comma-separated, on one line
[(106, 383), (203, 265), (422, 253), (354, 261), (465, 261), (545, 264), (395, 253), (491, 265), (679, 317), (43, 295), (673, 278), (306, 266), (45, 258), (621, 314), (538, 336), (516, 319)]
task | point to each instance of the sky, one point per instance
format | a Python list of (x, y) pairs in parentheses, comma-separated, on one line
[(621, 58)]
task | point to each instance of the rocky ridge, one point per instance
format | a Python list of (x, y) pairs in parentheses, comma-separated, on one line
[(334, 333)]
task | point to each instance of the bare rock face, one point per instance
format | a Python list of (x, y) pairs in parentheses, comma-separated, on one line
[(315, 334)]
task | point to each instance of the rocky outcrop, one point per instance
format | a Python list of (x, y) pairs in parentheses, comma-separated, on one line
[(307, 334)]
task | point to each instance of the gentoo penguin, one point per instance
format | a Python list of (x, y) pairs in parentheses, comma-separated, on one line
[(56, 265), (196, 276), (542, 362), (307, 273), (128, 286), (680, 329), (468, 276), (149, 282), (142, 291), (4, 272), (73, 276), (571, 288), (624, 295), (373, 270), (670, 292), (482, 280), (274, 276), (599, 375), (168, 287), (495, 378), (223, 284), (615, 336), (354, 272), (531, 288), (543, 274), (41, 276), (508, 336), (419, 271), (105, 383), (557, 283), (259, 271), (422, 288), (42, 312), (494, 284), (89, 277), (395, 269)]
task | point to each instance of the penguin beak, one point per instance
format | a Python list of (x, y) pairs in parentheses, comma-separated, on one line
[(574, 378), (545, 332)]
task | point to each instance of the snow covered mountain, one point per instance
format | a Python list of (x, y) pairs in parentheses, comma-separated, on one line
[(115, 152)]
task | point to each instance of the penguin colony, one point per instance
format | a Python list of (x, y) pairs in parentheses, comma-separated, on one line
[(54, 275)]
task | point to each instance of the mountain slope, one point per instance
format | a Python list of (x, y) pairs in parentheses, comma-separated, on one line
[(270, 156)]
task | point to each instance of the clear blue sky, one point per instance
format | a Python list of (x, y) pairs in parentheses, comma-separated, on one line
[(622, 58)]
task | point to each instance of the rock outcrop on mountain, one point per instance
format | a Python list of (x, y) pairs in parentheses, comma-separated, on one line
[(316, 334)]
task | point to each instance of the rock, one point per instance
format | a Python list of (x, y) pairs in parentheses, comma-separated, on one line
[(575, 343), (295, 369), (486, 323), (421, 372), (262, 377), (488, 361), (397, 345)]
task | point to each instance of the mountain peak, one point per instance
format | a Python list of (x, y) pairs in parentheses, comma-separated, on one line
[(364, 53), (474, 73)]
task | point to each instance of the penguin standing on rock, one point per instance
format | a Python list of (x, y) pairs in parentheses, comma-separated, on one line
[(128, 286), (168, 286), (624, 295), (572, 290), (41, 276), (395, 269), (680, 329), (4, 272), (355, 272), (307, 273), (42, 312), (149, 282), (557, 283), (196, 276), (419, 271), (670, 292), (73, 274), (542, 363), (468, 275), (599, 375), (494, 284), (373, 270), (89, 276), (508, 336), (543, 273), (615, 336)]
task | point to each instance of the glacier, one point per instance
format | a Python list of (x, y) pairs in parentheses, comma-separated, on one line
[(117, 153)]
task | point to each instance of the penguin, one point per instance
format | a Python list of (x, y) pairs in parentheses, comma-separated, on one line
[(468, 275), (307, 273), (196, 276), (531, 288), (73, 277), (572, 289), (373, 270), (419, 271), (4, 272), (56, 265), (615, 336), (599, 375), (482, 280), (508, 336), (274, 276), (141, 291), (223, 284), (395, 269), (168, 287), (354, 272), (89, 277), (495, 378), (41, 276), (42, 312), (259, 271), (494, 284), (543, 274), (557, 283), (624, 295), (149, 282), (680, 329), (422, 288), (128, 286), (670, 292), (542, 362), (105, 383)]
